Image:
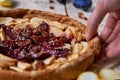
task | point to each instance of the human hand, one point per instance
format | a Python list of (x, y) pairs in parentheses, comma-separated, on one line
[(110, 36)]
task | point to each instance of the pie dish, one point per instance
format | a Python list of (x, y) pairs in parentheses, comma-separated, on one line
[(39, 45)]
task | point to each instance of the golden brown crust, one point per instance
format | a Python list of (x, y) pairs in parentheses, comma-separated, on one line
[(26, 13), (16, 13), (66, 71), (63, 72), (55, 17)]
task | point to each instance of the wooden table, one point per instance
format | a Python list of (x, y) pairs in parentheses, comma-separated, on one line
[(45, 5), (71, 11)]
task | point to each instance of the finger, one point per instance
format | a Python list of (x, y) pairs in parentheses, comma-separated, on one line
[(109, 26), (113, 48), (111, 5), (114, 33), (95, 19), (102, 55)]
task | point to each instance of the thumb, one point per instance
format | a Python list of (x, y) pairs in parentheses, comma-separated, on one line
[(95, 19)]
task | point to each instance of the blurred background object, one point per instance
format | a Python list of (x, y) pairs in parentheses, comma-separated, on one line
[(83, 4), (6, 3), (102, 74)]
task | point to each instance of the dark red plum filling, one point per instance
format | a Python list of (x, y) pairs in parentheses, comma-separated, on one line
[(29, 44)]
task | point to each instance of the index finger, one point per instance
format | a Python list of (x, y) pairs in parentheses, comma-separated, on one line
[(95, 19)]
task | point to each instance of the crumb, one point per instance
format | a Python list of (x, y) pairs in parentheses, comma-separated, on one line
[(80, 15), (85, 18), (51, 1), (51, 7)]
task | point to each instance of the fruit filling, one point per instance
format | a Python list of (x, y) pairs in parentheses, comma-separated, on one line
[(29, 44)]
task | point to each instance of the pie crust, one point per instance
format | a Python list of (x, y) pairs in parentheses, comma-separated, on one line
[(66, 70)]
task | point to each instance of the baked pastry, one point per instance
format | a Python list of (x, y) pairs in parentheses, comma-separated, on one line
[(39, 45)]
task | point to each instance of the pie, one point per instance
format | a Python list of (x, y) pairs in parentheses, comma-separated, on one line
[(39, 45)]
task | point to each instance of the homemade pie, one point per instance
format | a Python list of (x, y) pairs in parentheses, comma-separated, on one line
[(39, 45)]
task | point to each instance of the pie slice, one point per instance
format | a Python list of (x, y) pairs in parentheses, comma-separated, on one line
[(39, 45)]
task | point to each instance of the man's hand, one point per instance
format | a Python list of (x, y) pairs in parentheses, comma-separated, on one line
[(110, 36)]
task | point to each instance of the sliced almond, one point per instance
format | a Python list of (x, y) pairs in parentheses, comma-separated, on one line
[(16, 69), (68, 33), (19, 21), (24, 65), (3, 36), (79, 37), (11, 24), (77, 48), (16, 22), (36, 22), (37, 65), (61, 60), (65, 26), (7, 59), (73, 30), (83, 36), (85, 46), (20, 26), (73, 56), (5, 20), (56, 31), (56, 24), (49, 60), (67, 46)]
